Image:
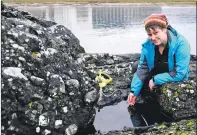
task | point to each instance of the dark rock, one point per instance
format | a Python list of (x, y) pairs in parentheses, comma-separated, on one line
[(43, 84), (180, 127), (179, 99)]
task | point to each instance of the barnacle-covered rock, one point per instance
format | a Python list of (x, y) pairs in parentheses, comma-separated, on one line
[(179, 99), (43, 84)]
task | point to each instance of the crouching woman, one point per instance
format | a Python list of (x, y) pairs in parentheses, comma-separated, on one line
[(165, 57)]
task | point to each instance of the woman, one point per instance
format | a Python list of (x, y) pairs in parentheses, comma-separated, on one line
[(164, 58)]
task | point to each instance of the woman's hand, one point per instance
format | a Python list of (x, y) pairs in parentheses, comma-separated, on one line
[(151, 84), (131, 99)]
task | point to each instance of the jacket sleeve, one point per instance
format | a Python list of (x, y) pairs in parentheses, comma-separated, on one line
[(140, 75), (182, 56)]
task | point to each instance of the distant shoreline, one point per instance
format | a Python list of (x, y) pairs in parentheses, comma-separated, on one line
[(100, 3)]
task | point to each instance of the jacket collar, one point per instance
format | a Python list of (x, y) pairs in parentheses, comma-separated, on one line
[(172, 37)]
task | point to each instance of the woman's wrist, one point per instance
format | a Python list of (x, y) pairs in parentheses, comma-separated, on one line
[(132, 92), (153, 79)]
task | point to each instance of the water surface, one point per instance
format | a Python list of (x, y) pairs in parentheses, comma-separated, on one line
[(116, 29), (114, 117)]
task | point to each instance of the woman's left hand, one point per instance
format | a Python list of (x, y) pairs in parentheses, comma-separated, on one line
[(151, 84)]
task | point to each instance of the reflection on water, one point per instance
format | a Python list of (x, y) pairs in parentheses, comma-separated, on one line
[(51, 13), (101, 28), (101, 16), (121, 16), (114, 117), (82, 14), (39, 12)]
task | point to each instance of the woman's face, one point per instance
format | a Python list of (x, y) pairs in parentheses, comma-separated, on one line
[(157, 36)]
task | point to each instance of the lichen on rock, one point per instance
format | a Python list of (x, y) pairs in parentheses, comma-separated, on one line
[(179, 99), (43, 84)]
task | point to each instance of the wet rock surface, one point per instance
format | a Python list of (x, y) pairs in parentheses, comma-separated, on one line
[(119, 67), (187, 127), (48, 82)]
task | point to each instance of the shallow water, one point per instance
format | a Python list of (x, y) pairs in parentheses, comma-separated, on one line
[(109, 118), (116, 29), (114, 117)]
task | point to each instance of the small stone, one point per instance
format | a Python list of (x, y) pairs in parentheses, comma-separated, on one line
[(37, 80), (15, 34), (88, 100), (86, 82), (11, 127), (58, 123), (169, 93), (22, 59), (65, 109), (14, 115), (73, 82), (10, 79), (39, 31), (26, 40), (71, 130), (48, 73), (49, 99), (191, 91), (16, 129), (38, 129), (14, 72), (183, 85), (71, 93), (46, 132), (20, 26), (91, 96), (43, 121), (171, 132)]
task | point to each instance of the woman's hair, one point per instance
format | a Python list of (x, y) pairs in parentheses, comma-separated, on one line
[(155, 26)]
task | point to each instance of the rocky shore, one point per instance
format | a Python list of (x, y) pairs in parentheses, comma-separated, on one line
[(178, 100), (48, 82)]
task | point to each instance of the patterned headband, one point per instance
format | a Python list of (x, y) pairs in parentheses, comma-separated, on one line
[(156, 19)]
